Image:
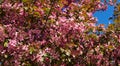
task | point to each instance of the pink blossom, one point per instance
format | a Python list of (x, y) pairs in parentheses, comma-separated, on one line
[(90, 14), (111, 2), (12, 43), (25, 47), (119, 38), (43, 42), (2, 34), (1, 48), (62, 19)]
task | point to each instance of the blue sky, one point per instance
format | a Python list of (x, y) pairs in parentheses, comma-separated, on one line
[(103, 16)]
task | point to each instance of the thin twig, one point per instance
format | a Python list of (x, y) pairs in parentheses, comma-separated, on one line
[(52, 4)]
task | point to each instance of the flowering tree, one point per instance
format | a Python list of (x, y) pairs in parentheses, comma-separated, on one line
[(57, 33)]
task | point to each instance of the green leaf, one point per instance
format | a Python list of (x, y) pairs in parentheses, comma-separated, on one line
[(47, 10), (36, 13), (6, 56), (1, 1), (42, 1), (25, 1), (26, 8), (6, 44), (32, 50), (62, 50)]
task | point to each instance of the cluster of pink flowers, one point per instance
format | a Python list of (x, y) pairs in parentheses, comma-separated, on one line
[(55, 33)]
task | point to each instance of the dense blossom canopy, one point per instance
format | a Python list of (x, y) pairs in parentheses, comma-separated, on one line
[(57, 33)]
